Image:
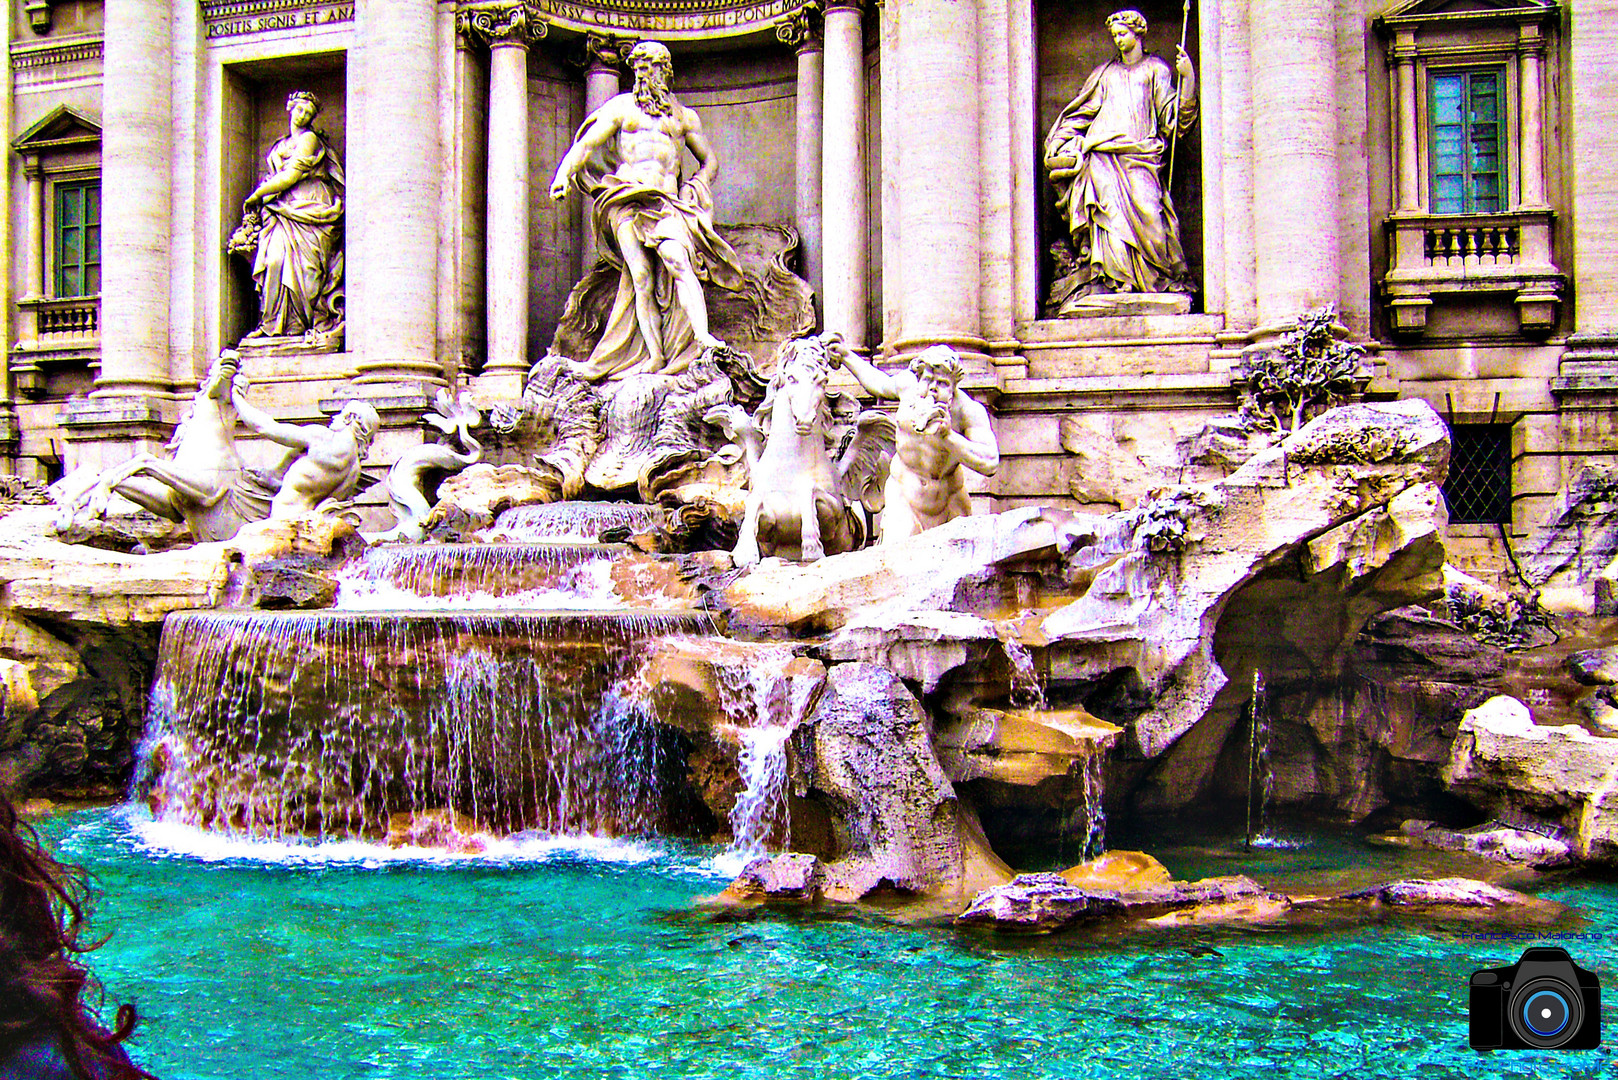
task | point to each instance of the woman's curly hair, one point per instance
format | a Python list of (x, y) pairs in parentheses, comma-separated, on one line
[(42, 980)]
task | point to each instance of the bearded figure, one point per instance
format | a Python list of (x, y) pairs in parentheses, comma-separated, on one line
[(657, 229)]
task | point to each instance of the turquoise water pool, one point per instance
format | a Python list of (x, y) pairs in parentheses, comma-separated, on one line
[(596, 961)]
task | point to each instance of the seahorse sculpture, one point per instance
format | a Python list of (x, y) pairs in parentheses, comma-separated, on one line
[(412, 483)]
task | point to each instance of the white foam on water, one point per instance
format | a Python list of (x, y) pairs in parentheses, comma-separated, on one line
[(1279, 843), (170, 839), (590, 589)]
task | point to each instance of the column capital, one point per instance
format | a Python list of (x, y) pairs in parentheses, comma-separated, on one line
[(803, 29), (501, 23), (32, 167), (605, 52)]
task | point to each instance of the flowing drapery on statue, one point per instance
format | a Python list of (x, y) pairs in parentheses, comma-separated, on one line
[(656, 218), (1105, 155), (656, 230), (292, 230)]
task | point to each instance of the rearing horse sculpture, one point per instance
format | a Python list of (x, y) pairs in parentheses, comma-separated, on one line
[(809, 472), (199, 484)]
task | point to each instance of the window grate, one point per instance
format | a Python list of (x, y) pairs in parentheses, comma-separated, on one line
[(1478, 489)]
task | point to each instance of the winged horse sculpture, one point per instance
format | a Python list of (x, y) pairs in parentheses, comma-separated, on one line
[(815, 460)]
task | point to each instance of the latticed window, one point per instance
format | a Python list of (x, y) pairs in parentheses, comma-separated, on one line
[(1478, 489), (78, 238)]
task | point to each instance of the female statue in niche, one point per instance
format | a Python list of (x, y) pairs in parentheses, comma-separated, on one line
[(1105, 155), (292, 230)]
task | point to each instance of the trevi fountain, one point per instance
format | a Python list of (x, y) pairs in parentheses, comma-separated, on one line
[(678, 712)]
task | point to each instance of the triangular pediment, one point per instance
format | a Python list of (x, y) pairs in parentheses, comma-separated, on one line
[(62, 127), (1419, 11)]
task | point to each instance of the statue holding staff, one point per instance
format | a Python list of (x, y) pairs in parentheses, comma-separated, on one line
[(1105, 156)]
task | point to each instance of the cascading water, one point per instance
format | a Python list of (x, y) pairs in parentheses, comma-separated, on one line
[(567, 521), (1094, 786), (328, 724), (1260, 775), (766, 701), (476, 576)]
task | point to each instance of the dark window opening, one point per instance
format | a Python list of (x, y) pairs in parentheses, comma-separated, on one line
[(1468, 159), (78, 239), (1478, 489)]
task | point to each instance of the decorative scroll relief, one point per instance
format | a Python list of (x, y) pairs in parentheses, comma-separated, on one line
[(238, 17), (503, 22)]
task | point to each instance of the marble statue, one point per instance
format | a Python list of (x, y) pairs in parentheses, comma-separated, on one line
[(657, 230), (803, 493), (292, 231), (200, 483), (322, 465), (939, 430), (1105, 156), (412, 483)]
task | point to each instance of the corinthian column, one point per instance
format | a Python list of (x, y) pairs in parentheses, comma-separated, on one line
[(802, 30), (393, 289), (508, 30), (936, 114), (137, 153), (845, 232), (1294, 156), (603, 54)]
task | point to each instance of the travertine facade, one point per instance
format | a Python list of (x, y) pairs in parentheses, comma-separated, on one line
[(1469, 242)]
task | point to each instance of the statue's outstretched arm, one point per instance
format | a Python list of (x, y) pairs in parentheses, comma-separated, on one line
[(596, 132), (268, 426), (867, 374)]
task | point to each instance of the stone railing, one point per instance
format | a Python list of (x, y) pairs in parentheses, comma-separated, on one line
[(54, 333), (1472, 242), (69, 319), (1511, 252)]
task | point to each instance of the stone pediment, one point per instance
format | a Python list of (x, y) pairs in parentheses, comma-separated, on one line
[(62, 128), (1419, 12)]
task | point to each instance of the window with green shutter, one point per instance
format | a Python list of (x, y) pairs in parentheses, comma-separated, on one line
[(1468, 126), (78, 238)]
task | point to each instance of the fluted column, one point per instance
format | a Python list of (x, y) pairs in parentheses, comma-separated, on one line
[(1530, 60), (33, 248), (1403, 55), (937, 112), (508, 31), (1294, 156), (802, 30), (394, 288), (137, 152), (603, 55), (845, 231)]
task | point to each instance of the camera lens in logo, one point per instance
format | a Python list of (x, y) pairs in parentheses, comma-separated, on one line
[(1545, 1012)]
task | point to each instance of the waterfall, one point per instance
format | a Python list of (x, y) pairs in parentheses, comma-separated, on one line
[(466, 576), (1026, 690), (327, 724), (1094, 786), (766, 701), (568, 521), (1260, 775), (761, 808)]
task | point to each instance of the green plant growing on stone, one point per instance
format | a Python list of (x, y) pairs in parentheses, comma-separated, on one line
[(1505, 621), (1310, 367)]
